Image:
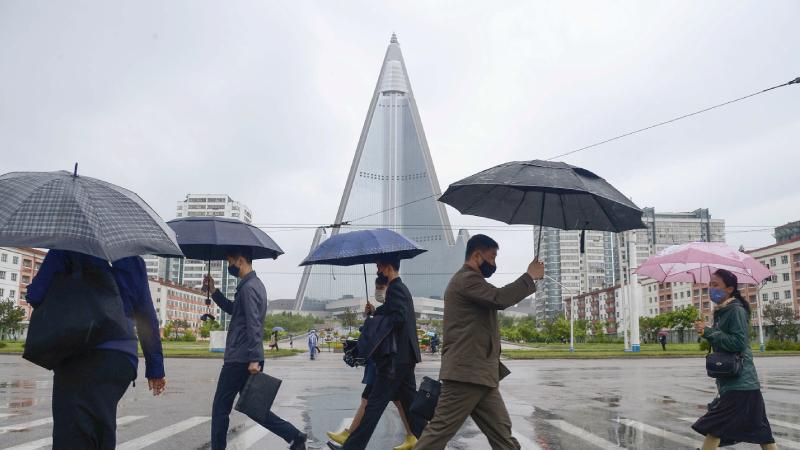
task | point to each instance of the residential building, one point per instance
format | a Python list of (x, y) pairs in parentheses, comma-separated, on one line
[(173, 301), (392, 184), (10, 280), (30, 261), (220, 205), (783, 259), (788, 232), (602, 305), (607, 255)]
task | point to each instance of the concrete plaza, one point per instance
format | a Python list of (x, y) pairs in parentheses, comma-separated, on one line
[(554, 404)]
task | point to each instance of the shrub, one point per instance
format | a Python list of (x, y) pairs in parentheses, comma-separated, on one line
[(2, 344), (189, 336), (775, 345), (704, 345)]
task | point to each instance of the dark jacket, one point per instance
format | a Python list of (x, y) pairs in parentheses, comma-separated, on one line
[(377, 340), (731, 333), (399, 308), (471, 338), (130, 275), (244, 343)]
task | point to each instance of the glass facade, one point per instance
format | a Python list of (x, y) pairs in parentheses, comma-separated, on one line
[(392, 184)]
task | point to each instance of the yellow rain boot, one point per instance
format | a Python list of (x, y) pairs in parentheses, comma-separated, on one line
[(408, 444), (339, 437)]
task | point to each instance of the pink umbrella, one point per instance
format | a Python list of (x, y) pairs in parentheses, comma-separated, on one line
[(696, 262)]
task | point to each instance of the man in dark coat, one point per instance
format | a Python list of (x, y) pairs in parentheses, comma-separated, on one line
[(395, 374), (471, 368)]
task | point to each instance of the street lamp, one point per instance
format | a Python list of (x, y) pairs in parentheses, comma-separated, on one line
[(571, 314)]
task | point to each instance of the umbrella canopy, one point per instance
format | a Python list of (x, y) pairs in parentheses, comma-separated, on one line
[(209, 238), (278, 329), (362, 247), (62, 210), (663, 332), (545, 193), (697, 261)]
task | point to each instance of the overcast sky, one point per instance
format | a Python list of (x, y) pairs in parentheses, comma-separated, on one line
[(265, 101)]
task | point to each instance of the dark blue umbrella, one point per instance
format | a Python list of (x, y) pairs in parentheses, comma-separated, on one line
[(210, 238), (362, 247)]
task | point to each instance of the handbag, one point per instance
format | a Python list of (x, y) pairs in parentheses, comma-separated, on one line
[(255, 400), (427, 397), (81, 309), (723, 364)]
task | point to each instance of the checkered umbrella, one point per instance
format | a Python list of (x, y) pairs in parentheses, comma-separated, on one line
[(62, 210)]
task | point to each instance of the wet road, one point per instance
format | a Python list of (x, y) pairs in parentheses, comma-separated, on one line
[(555, 404)]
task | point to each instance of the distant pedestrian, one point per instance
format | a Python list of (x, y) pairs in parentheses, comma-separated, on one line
[(312, 344), (471, 368), (738, 413), (274, 343), (291, 342), (244, 350), (87, 388), (662, 338)]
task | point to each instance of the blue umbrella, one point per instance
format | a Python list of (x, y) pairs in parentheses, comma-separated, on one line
[(362, 247), (278, 329)]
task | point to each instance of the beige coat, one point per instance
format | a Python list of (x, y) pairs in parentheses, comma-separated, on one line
[(471, 340)]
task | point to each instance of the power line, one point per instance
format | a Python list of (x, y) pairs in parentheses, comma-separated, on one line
[(795, 81)]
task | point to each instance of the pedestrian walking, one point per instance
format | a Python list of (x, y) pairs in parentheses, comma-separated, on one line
[(274, 343), (738, 413), (381, 284), (394, 378), (312, 344), (471, 369), (291, 342), (244, 350), (662, 339), (88, 387)]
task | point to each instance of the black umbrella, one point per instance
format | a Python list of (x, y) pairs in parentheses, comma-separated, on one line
[(210, 238), (66, 211), (544, 193)]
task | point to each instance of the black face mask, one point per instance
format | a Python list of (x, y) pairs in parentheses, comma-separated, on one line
[(487, 270)]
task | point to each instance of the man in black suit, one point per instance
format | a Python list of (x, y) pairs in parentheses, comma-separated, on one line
[(395, 375)]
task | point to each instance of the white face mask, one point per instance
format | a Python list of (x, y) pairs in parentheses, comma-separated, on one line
[(380, 295)]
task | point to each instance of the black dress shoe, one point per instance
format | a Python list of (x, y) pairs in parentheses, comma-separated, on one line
[(299, 443), (333, 445)]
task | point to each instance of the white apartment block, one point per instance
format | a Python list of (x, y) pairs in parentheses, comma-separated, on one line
[(784, 260), (10, 264), (176, 302), (200, 205)]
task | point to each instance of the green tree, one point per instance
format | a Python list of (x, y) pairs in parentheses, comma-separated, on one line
[(350, 319), (683, 319), (782, 318), (207, 327), (293, 323), (175, 329), (11, 317)]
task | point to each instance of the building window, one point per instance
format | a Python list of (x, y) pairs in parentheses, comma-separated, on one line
[(26, 263), (4, 257), (15, 260), (785, 259), (765, 296), (2, 275), (786, 277), (776, 295), (774, 278), (2, 292), (772, 262), (787, 295), (12, 293)]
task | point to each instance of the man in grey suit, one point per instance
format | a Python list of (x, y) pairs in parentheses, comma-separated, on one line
[(471, 369)]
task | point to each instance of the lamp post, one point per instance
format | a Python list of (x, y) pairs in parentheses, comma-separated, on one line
[(571, 312)]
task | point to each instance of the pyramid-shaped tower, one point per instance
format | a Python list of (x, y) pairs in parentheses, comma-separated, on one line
[(392, 184)]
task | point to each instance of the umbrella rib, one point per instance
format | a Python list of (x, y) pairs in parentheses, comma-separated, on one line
[(516, 210)]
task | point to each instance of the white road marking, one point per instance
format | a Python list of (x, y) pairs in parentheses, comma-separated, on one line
[(248, 438), (583, 434), (664, 434), (48, 441), (164, 433), (26, 425)]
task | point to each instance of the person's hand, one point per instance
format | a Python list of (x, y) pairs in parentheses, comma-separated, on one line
[(254, 367), (208, 284), (536, 269), (699, 326), (369, 309), (157, 385)]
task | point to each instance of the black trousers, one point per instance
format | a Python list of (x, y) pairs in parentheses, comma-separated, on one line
[(86, 391), (232, 379), (403, 387)]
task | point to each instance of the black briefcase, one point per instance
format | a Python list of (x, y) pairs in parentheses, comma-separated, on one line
[(81, 309), (256, 399), (424, 404)]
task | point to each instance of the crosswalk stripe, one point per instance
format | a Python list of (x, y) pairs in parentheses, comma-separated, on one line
[(26, 425), (248, 438), (783, 424), (645, 428), (5, 415), (525, 443), (785, 443), (48, 441), (152, 438), (583, 434)]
